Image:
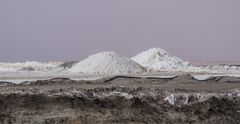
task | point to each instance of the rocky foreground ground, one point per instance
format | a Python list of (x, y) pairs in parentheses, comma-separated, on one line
[(121, 99)]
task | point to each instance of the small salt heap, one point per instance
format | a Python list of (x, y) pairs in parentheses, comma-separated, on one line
[(107, 63), (157, 59)]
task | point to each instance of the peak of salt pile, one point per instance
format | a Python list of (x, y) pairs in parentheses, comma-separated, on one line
[(107, 63), (157, 59)]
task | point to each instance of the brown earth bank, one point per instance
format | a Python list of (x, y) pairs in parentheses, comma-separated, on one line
[(122, 100), (38, 109)]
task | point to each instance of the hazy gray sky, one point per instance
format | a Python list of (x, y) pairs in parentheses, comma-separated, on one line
[(73, 29)]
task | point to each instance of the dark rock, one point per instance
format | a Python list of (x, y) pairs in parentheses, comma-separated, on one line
[(68, 64), (5, 83), (27, 69)]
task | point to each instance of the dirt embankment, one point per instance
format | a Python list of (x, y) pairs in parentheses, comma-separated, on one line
[(38, 109), (122, 100)]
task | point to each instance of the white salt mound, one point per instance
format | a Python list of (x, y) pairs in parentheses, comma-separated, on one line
[(107, 63), (157, 59)]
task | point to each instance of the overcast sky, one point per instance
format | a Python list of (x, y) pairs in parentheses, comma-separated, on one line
[(47, 30)]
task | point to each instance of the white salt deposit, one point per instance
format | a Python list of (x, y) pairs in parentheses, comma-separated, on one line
[(29, 66), (229, 68), (107, 63), (157, 59), (154, 60)]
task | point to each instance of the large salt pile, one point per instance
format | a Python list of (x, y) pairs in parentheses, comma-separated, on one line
[(157, 59), (107, 63)]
